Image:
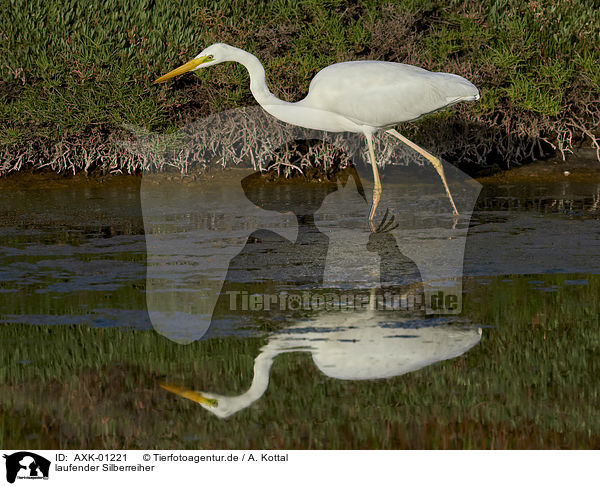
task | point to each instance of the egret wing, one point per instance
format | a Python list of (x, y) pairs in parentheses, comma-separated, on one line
[(382, 94)]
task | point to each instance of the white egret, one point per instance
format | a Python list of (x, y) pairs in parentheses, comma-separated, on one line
[(358, 96), (356, 346)]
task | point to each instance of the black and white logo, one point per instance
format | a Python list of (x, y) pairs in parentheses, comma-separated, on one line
[(26, 465)]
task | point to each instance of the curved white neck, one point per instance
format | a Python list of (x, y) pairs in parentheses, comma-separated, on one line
[(258, 81), (260, 380), (227, 406)]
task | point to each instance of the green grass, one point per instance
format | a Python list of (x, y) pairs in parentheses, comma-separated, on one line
[(78, 71), (530, 383)]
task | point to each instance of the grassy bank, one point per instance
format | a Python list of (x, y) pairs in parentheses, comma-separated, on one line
[(530, 383), (73, 74)]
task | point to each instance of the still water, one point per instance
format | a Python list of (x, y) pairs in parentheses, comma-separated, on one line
[(244, 315)]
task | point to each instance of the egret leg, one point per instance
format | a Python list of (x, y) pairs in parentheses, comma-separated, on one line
[(434, 160), (377, 183)]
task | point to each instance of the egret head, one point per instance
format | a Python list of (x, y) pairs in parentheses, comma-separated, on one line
[(219, 405), (210, 56), (222, 406)]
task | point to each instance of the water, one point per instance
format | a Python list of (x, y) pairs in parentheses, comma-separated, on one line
[(73, 252), (514, 354)]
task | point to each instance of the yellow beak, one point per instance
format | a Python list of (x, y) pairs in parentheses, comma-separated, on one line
[(190, 395), (188, 66)]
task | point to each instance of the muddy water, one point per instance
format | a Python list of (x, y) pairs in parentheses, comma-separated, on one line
[(535, 227), (168, 255), (73, 250)]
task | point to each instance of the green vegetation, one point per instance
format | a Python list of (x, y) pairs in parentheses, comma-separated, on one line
[(73, 73), (530, 383)]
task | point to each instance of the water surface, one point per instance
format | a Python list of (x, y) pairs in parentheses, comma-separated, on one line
[(514, 368)]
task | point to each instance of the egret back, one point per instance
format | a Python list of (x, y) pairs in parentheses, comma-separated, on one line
[(382, 94)]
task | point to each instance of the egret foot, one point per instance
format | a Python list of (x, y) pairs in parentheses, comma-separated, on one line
[(377, 190), (386, 225)]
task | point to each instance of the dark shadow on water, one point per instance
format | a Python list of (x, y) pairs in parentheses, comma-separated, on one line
[(270, 265)]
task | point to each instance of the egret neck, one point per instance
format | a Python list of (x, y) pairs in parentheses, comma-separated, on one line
[(258, 80)]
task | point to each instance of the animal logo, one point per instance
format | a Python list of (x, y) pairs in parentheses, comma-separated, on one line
[(26, 465)]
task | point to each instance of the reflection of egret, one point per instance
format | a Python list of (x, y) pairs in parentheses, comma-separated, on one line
[(355, 346), (360, 97)]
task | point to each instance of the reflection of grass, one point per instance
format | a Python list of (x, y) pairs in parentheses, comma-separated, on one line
[(531, 382)]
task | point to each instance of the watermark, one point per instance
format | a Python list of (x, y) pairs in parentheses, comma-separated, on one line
[(208, 242), (240, 300)]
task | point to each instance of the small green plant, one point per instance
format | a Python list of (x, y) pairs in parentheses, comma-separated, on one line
[(74, 72)]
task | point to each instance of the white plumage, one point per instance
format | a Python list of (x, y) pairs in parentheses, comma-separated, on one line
[(353, 346), (383, 94), (357, 96)]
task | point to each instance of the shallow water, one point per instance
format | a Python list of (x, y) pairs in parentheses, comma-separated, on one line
[(75, 252), (97, 253), (72, 251)]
